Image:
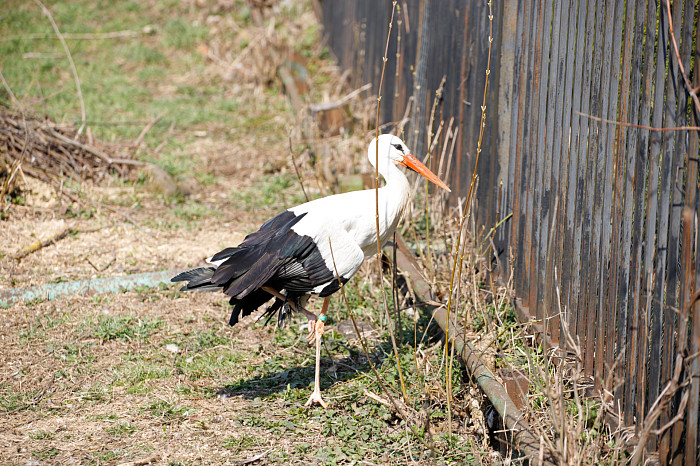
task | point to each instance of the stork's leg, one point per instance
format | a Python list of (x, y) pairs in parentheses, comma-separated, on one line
[(317, 331)]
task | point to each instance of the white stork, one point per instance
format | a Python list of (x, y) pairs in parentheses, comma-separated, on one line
[(297, 252)]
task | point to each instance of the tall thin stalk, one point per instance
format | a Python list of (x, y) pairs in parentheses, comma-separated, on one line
[(457, 270), (376, 189)]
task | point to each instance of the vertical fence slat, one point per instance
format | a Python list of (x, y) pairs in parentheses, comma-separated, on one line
[(616, 326), (600, 184), (593, 173), (632, 183), (692, 273), (619, 334), (579, 285), (525, 200), (540, 117), (575, 184), (562, 153), (653, 280), (666, 274), (551, 171), (528, 147), (515, 182), (609, 90), (642, 174), (683, 16)]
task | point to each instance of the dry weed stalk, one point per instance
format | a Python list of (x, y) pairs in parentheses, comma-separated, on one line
[(74, 70), (376, 190), (459, 253)]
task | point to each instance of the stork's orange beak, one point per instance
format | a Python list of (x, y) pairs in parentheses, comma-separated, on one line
[(409, 161)]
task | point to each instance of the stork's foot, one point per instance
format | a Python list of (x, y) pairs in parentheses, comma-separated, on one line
[(316, 398)]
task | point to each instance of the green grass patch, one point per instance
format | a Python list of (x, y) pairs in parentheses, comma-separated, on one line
[(123, 327), (136, 372), (41, 435), (211, 364), (46, 453), (239, 443), (121, 429), (168, 412), (276, 191)]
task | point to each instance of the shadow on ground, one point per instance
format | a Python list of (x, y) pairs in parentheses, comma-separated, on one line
[(332, 372)]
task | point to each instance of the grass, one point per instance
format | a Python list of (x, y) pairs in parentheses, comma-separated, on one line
[(270, 191), (126, 82), (123, 327)]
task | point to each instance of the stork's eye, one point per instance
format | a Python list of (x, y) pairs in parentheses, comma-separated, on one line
[(398, 147)]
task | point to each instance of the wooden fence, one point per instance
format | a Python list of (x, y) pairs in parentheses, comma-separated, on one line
[(604, 202)]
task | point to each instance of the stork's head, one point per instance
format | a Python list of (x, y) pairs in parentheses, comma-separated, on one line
[(391, 149)]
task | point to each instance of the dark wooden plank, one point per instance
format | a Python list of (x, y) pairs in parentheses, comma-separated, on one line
[(617, 338), (654, 278), (514, 184), (540, 230), (489, 166), (675, 150), (563, 154), (550, 171), (691, 273), (591, 227), (521, 252), (643, 180), (463, 114), (529, 242), (572, 242), (602, 162), (664, 296), (578, 287), (609, 91), (616, 327), (632, 184)]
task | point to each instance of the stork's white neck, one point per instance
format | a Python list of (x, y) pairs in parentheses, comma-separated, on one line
[(393, 196), (396, 181)]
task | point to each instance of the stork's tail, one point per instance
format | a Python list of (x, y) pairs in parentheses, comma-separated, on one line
[(199, 279)]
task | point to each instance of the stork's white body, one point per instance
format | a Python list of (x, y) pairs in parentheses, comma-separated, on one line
[(344, 226)]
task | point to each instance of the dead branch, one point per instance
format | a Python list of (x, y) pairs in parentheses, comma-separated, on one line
[(632, 125), (49, 152), (34, 247), (145, 130)]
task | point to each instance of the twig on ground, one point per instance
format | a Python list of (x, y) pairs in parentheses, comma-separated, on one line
[(144, 131), (107, 265), (340, 102), (94, 151), (377, 398), (254, 458), (34, 247)]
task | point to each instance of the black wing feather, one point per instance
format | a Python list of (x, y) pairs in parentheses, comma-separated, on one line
[(274, 256)]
